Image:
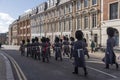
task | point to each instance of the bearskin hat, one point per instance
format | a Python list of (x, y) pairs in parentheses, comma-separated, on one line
[(57, 39), (28, 40), (33, 40), (36, 39), (47, 39), (43, 39), (79, 35), (72, 39), (23, 41), (110, 31)]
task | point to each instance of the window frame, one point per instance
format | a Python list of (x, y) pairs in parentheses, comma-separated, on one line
[(86, 21), (94, 22), (112, 11), (86, 5)]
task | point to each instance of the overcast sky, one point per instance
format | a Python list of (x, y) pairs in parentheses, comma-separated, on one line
[(11, 9)]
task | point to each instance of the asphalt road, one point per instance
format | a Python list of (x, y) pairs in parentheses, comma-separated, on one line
[(57, 70)]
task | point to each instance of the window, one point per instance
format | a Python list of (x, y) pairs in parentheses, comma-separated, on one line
[(114, 11), (59, 27), (64, 25), (51, 2), (51, 27), (96, 38), (48, 28), (70, 25), (85, 3), (94, 2), (85, 22), (66, 9), (70, 8), (94, 20), (78, 23), (55, 27), (78, 5)]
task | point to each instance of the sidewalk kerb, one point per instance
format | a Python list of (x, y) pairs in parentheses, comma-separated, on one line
[(9, 73)]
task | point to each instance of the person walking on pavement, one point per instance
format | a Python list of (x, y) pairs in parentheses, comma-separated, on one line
[(79, 57), (92, 46), (110, 57)]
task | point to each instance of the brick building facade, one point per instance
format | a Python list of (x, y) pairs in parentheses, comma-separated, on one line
[(111, 18), (62, 18)]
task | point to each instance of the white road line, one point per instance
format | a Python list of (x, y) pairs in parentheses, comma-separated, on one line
[(16, 71), (95, 62), (102, 72), (98, 61), (113, 76), (9, 73)]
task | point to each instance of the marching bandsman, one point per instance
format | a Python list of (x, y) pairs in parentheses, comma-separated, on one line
[(66, 46), (44, 50), (22, 48), (58, 49), (37, 48), (72, 47), (48, 48), (33, 48), (28, 48), (110, 57), (79, 57)]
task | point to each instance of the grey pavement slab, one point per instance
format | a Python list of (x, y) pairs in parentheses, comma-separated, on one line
[(5, 68), (2, 69)]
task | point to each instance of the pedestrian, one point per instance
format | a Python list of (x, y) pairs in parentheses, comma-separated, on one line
[(66, 46), (72, 47), (79, 57), (110, 57), (58, 49), (44, 46), (92, 46), (22, 48), (86, 50), (28, 45)]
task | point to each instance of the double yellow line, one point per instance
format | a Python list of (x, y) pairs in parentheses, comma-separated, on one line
[(18, 70)]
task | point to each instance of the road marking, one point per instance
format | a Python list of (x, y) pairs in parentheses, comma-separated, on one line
[(17, 68), (113, 76), (17, 71), (9, 73), (95, 62), (102, 72)]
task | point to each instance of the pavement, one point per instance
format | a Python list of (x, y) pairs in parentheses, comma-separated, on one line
[(6, 72), (2, 68)]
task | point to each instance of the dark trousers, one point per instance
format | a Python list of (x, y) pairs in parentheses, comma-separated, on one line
[(76, 70), (107, 66)]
